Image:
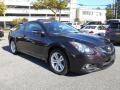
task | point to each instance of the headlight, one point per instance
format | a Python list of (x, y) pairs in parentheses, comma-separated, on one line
[(82, 48)]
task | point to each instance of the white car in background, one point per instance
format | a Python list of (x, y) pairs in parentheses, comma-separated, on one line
[(94, 29), (75, 25)]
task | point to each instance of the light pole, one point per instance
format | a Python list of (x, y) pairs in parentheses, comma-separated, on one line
[(29, 9), (113, 8), (4, 20), (116, 6)]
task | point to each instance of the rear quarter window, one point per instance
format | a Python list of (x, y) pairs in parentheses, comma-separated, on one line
[(115, 25)]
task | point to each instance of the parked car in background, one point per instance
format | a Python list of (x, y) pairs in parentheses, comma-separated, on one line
[(113, 32), (94, 29), (110, 21), (62, 46), (1, 32), (91, 23), (75, 25)]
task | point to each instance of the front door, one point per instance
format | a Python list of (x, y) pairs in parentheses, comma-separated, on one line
[(34, 40)]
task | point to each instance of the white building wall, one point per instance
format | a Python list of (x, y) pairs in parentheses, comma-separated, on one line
[(71, 13), (18, 2), (92, 15), (73, 6), (30, 11)]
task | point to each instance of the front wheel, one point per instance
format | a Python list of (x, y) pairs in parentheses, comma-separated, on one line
[(13, 47), (58, 62)]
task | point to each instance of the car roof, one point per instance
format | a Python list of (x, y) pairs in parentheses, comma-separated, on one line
[(113, 20), (45, 20)]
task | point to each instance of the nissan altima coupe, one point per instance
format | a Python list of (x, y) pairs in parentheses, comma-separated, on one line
[(62, 46)]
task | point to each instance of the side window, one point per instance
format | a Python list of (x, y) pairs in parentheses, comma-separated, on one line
[(101, 28), (33, 26), (20, 28)]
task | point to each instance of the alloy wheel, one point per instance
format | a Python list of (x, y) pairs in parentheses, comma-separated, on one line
[(13, 47), (57, 62)]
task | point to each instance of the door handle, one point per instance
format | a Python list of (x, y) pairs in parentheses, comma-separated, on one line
[(29, 40)]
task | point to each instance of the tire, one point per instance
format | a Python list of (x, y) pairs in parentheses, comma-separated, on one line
[(58, 62), (13, 47)]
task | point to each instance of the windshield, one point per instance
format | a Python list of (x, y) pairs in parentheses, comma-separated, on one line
[(59, 27)]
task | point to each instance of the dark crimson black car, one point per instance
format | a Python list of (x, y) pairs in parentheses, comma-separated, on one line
[(62, 46)]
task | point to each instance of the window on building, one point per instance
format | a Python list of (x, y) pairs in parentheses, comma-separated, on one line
[(87, 13)]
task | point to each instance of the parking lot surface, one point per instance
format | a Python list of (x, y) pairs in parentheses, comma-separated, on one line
[(23, 72)]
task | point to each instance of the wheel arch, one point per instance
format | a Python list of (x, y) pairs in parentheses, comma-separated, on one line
[(60, 47), (11, 38)]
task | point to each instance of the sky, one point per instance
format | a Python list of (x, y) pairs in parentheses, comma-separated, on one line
[(95, 2)]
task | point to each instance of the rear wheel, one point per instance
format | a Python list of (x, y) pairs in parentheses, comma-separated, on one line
[(58, 62), (13, 47)]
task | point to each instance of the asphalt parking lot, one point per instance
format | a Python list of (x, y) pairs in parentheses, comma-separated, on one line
[(22, 72)]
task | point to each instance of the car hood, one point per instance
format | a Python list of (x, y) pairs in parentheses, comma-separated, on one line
[(88, 39)]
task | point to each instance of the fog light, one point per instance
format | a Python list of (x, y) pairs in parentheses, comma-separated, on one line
[(90, 67)]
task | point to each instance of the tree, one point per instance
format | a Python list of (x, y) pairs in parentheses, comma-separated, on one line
[(2, 7), (118, 7), (109, 12), (17, 21), (53, 5), (76, 20)]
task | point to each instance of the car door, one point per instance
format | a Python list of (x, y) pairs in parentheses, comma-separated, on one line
[(35, 39), (101, 30), (19, 34)]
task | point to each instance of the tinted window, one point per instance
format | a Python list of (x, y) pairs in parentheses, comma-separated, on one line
[(19, 27), (58, 27), (90, 27), (115, 25), (69, 23), (33, 26), (111, 21), (94, 23), (101, 28)]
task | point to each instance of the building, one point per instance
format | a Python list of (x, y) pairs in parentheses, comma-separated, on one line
[(22, 9), (92, 15)]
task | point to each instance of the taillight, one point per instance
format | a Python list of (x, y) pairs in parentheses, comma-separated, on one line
[(91, 32)]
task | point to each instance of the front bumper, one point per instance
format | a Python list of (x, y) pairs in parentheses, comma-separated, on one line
[(91, 63), (96, 66)]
